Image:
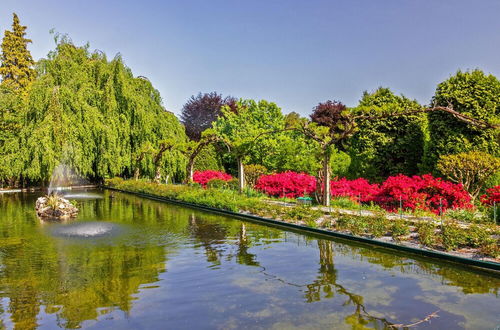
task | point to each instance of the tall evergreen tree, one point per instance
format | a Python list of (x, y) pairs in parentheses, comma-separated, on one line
[(17, 64)]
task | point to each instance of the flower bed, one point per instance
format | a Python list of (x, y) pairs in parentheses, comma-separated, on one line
[(424, 192), (202, 177), (450, 236), (286, 184)]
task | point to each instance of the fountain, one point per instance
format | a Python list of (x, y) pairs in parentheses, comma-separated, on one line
[(63, 177), (54, 206), (89, 229)]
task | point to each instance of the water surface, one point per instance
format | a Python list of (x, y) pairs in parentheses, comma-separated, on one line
[(131, 263)]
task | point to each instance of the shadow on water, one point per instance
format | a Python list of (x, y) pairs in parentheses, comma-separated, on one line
[(215, 272)]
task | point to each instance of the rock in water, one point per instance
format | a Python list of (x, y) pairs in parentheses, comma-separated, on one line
[(55, 207)]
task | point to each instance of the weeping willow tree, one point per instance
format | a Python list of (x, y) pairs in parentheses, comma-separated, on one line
[(95, 116)]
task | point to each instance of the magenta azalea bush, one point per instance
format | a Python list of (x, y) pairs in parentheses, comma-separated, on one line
[(492, 196), (202, 177), (421, 192), (286, 184), (358, 190), (417, 192)]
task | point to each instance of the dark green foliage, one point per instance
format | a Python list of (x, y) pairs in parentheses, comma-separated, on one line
[(473, 94), (387, 146)]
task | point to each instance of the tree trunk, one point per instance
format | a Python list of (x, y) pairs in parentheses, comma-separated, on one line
[(326, 180), (241, 175), (157, 178), (136, 173), (190, 170)]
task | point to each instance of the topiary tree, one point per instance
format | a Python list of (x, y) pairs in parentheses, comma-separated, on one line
[(471, 94), (471, 169), (388, 145)]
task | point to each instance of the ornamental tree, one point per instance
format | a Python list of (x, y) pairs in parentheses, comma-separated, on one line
[(330, 126), (242, 131), (471, 169), (192, 149), (17, 64), (202, 110)]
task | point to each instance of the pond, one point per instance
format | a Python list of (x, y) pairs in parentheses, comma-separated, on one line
[(132, 263)]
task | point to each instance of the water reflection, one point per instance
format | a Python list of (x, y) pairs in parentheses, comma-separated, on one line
[(247, 272)]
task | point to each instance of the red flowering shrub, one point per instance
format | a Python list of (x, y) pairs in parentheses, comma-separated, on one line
[(355, 189), (286, 184), (421, 192), (202, 177), (492, 195)]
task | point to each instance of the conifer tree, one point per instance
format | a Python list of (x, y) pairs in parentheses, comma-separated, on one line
[(17, 64)]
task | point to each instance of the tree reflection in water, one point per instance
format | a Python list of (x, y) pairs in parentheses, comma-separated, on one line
[(84, 280)]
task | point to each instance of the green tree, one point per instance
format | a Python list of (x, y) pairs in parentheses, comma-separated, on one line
[(95, 116), (331, 125), (472, 169), (475, 95), (387, 145), (10, 126), (242, 132), (17, 64)]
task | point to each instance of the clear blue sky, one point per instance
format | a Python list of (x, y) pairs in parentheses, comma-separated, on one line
[(295, 53)]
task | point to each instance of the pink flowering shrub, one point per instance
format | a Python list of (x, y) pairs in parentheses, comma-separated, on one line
[(202, 177), (492, 195), (286, 184), (421, 192), (417, 192), (358, 190)]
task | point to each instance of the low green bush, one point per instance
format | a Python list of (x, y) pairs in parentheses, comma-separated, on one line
[(452, 236), (399, 228), (491, 249), (470, 216), (344, 203), (477, 236), (427, 233), (379, 225), (217, 184)]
